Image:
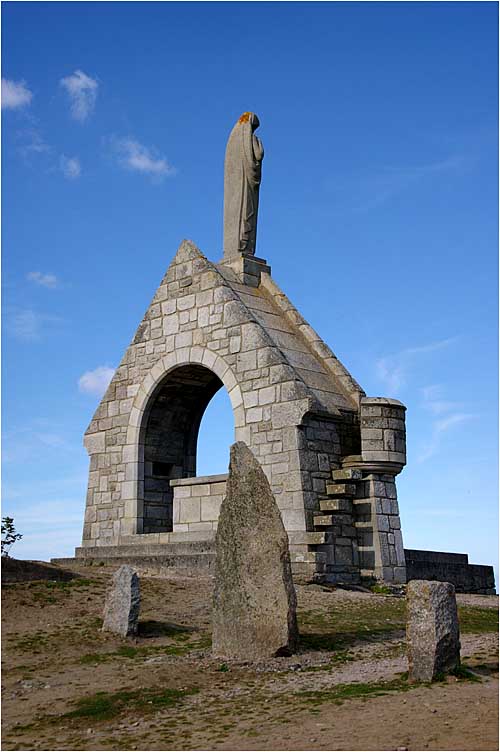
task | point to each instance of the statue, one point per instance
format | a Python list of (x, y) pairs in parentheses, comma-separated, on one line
[(242, 174)]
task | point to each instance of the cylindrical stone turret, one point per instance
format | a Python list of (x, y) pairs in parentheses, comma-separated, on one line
[(383, 432)]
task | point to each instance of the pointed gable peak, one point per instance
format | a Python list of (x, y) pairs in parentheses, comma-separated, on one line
[(187, 251)]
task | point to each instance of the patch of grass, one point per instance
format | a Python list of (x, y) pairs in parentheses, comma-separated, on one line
[(93, 658), (105, 705), (340, 627), (475, 619), (223, 667), (133, 652), (342, 692), (32, 643), (380, 589)]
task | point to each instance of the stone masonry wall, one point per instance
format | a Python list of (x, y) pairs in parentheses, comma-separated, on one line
[(197, 503)]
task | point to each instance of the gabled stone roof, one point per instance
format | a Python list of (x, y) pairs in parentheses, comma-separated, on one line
[(268, 322)]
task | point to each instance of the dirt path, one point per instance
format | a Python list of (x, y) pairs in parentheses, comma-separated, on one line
[(343, 690)]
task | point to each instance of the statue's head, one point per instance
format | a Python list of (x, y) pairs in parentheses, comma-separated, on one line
[(250, 117)]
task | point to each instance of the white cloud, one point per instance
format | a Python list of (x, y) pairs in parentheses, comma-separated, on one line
[(44, 280), (393, 369), (96, 381), (15, 94), (70, 167), (134, 156), (82, 91)]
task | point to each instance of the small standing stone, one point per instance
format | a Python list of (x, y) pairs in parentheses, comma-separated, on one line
[(254, 611), (432, 631), (123, 602)]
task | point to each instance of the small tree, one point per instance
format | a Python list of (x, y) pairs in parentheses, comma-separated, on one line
[(9, 535)]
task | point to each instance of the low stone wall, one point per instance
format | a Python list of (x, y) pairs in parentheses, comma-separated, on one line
[(197, 503), (448, 567)]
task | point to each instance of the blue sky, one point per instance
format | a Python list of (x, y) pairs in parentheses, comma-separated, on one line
[(378, 215)]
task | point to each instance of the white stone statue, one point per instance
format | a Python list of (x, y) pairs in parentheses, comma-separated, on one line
[(242, 174)]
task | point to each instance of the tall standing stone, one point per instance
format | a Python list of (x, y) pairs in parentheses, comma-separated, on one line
[(432, 631), (254, 610), (123, 602)]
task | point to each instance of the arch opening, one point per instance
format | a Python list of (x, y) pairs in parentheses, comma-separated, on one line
[(169, 438), (215, 436)]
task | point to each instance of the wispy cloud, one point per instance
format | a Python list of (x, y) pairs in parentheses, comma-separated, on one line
[(44, 280), (82, 92), (139, 158), (434, 401), (49, 528), (31, 143), (96, 382), (28, 325), (31, 441), (393, 369), (70, 167), (369, 190), (448, 414), (15, 94)]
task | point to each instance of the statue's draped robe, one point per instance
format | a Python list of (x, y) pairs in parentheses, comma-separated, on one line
[(242, 175)]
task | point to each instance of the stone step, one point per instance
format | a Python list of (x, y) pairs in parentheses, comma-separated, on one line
[(335, 505), (144, 562), (298, 537), (308, 557), (349, 473), (341, 489), (320, 520)]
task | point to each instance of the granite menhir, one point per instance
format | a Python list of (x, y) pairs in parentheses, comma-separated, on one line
[(432, 631), (123, 602), (254, 609)]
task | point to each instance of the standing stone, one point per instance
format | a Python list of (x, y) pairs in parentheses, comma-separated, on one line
[(254, 610), (123, 602), (432, 631), (242, 176)]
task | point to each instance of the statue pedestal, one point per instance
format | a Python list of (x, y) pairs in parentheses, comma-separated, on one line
[(247, 267)]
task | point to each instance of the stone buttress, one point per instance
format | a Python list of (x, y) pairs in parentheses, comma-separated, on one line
[(330, 453)]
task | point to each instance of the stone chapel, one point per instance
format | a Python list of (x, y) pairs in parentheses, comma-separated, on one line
[(330, 453)]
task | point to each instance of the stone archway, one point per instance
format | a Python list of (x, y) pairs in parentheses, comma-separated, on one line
[(168, 439), (163, 431)]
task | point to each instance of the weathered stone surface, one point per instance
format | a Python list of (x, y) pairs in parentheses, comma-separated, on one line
[(123, 602), (254, 608), (432, 631)]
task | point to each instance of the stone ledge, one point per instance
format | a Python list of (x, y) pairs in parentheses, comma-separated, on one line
[(382, 401), (199, 480)]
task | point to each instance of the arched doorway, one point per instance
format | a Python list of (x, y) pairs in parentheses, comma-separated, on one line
[(168, 439)]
